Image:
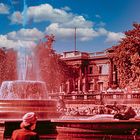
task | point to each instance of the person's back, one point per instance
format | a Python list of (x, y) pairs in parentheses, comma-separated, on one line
[(24, 134), (27, 126)]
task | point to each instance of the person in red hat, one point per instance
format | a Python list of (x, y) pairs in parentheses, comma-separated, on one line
[(27, 126)]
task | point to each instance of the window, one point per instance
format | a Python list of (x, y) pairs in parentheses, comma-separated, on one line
[(100, 69), (90, 70)]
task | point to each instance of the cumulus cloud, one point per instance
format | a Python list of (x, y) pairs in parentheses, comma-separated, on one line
[(4, 9), (61, 24), (7, 43), (45, 12), (83, 34), (111, 37), (4, 42), (102, 31), (26, 35), (114, 37), (23, 38), (79, 22)]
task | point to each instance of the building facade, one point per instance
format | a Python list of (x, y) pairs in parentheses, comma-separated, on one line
[(96, 72)]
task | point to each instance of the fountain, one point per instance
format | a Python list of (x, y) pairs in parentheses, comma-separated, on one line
[(26, 94)]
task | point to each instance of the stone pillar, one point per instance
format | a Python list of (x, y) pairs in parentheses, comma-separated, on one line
[(86, 81), (68, 87), (84, 85), (110, 73), (79, 85)]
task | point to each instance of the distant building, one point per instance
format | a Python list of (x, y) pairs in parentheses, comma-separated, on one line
[(96, 72)]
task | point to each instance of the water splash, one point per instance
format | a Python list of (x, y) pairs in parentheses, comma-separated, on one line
[(22, 62), (23, 52), (24, 13)]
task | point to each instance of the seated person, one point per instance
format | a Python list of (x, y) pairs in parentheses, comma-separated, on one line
[(128, 114), (27, 126)]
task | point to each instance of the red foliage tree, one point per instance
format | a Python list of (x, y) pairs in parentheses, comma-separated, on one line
[(127, 58), (8, 65), (53, 70), (2, 65), (11, 65)]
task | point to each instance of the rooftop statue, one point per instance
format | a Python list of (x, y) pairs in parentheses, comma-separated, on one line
[(50, 40)]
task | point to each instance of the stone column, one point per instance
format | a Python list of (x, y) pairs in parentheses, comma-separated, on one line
[(110, 73), (84, 85), (68, 86), (79, 84)]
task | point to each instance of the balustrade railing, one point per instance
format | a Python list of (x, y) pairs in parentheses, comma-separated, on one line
[(101, 96)]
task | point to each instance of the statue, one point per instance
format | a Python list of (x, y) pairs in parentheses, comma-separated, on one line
[(50, 40)]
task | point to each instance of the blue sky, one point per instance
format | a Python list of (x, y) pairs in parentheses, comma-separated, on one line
[(99, 23)]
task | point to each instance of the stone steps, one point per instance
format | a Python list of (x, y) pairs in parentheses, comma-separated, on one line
[(10, 109)]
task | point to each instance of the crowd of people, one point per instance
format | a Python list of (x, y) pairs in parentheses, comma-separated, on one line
[(119, 111)]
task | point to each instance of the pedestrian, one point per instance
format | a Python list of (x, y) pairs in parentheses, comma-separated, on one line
[(28, 125), (128, 114)]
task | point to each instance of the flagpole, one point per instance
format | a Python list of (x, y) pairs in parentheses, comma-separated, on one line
[(75, 40)]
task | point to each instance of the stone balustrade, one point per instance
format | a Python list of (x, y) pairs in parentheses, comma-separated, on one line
[(128, 98)]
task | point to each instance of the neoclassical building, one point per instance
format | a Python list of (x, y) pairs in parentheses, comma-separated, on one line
[(96, 71)]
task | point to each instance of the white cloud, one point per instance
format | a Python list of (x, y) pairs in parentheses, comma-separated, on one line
[(114, 37), (102, 31), (45, 12), (4, 42), (26, 35), (23, 38), (7, 43), (62, 24), (4, 9), (111, 37), (64, 33), (79, 22)]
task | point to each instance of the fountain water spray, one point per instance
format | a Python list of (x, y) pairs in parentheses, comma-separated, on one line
[(24, 13), (22, 62), (23, 53)]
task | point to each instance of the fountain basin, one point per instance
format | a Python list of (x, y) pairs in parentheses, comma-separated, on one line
[(93, 129), (23, 89), (21, 96)]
